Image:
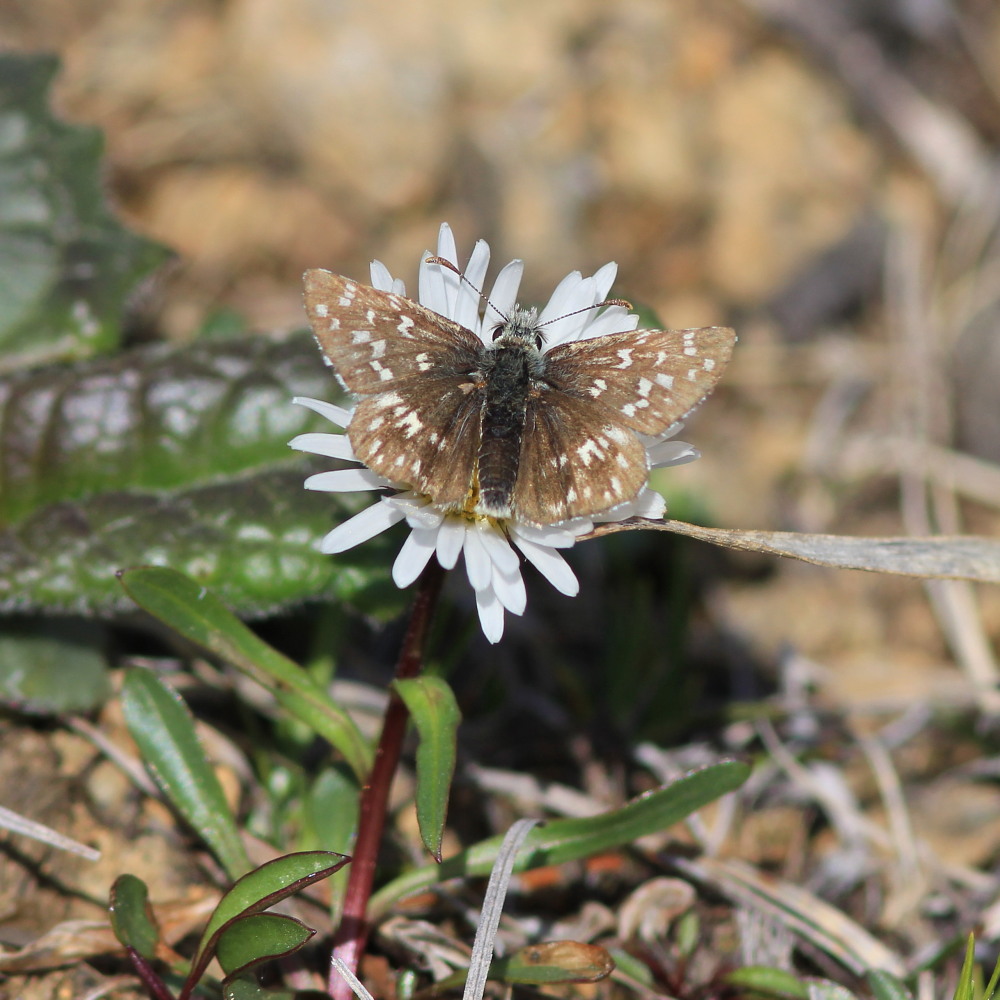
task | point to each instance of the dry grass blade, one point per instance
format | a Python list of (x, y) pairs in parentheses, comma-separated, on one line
[(489, 920), (963, 557), (819, 923), (16, 823)]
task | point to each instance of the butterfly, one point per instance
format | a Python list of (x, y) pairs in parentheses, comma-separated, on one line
[(506, 429)]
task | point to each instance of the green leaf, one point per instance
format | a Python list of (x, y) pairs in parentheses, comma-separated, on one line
[(163, 728), (132, 919), (197, 614), (885, 986), (554, 962), (990, 992), (966, 988), (435, 713), (248, 941), (256, 891), (252, 541), (66, 264), (331, 823), (570, 839), (52, 667), (154, 419), (770, 982)]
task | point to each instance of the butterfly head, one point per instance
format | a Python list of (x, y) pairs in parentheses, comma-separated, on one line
[(519, 330)]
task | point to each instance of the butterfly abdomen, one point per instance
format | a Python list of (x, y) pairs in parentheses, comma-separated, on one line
[(507, 375)]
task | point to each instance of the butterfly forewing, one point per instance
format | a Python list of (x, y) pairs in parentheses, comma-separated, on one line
[(577, 458), (376, 338), (650, 378)]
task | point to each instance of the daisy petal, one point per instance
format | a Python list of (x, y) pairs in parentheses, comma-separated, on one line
[(498, 548), (327, 445), (614, 319), (604, 278), (450, 538), (335, 414), (346, 481), (665, 453), (466, 310), (417, 510), (381, 278), (490, 614), (566, 326), (551, 565), (502, 298), (370, 522), (551, 536), (432, 285), (509, 588), (560, 298), (649, 504), (446, 246), (413, 556), (477, 561)]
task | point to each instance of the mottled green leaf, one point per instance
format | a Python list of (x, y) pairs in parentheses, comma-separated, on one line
[(163, 728), (252, 541), (66, 264), (435, 713), (155, 419)]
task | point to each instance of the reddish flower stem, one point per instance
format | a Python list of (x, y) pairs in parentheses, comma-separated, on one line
[(349, 941)]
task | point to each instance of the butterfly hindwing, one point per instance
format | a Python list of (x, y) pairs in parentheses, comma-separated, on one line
[(577, 458), (424, 433)]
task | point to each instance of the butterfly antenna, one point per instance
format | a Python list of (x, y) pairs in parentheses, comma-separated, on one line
[(624, 303), (444, 262)]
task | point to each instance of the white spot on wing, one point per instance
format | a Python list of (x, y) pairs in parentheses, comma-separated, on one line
[(321, 309), (410, 424)]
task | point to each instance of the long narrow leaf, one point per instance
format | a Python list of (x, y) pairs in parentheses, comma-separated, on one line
[(435, 713), (200, 616), (163, 728), (570, 839)]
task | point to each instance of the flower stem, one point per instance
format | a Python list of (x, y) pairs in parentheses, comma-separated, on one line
[(349, 941)]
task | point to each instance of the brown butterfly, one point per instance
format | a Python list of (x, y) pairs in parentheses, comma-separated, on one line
[(506, 429)]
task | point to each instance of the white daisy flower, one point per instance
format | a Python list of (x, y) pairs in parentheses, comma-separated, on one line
[(490, 548)]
